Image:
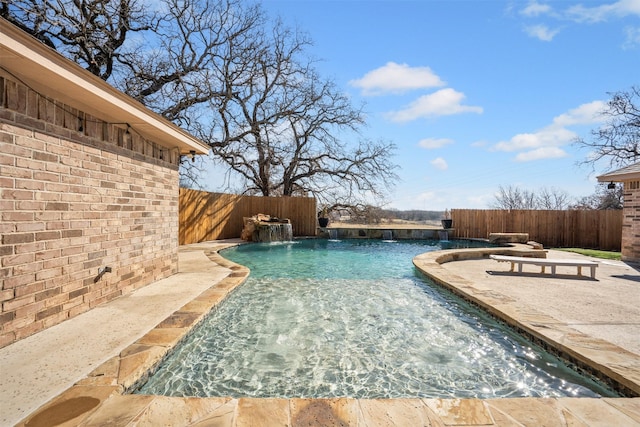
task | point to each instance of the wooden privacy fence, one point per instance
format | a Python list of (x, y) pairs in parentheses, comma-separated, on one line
[(593, 229), (212, 216)]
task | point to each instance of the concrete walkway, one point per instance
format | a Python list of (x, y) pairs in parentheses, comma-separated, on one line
[(592, 322), (38, 368), (76, 373), (607, 308)]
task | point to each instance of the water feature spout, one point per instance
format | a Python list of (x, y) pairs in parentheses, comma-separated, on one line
[(333, 234), (443, 235), (263, 228), (387, 235), (273, 232)]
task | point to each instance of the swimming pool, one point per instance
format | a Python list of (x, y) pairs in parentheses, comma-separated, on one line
[(355, 319)]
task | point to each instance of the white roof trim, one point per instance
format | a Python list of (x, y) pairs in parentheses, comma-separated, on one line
[(626, 173)]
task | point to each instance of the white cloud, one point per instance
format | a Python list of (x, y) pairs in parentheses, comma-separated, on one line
[(444, 102), (632, 38), (480, 143), (396, 78), (550, 136), (535, 9), (440, 163), (585, 114), (603, 12), (582, 14), (541, 32), (433, 143), (541, 153), (545, 143)]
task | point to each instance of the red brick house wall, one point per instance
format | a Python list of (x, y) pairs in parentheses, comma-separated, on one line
[(631, 222), (77, 194), (630, 177)]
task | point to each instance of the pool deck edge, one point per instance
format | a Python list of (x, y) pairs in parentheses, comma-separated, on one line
[(103, 389), (613, 365)]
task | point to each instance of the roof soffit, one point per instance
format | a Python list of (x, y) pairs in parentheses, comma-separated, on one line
[(627, 173), (47, 72)]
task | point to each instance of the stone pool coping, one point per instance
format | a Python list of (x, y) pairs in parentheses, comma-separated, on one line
[(100, 398), (612, 364)]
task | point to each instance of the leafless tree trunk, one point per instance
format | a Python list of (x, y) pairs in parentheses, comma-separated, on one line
[(602, 198), (283, 127), (222, 71)]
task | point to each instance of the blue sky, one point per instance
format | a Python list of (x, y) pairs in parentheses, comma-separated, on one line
[(476, 94)]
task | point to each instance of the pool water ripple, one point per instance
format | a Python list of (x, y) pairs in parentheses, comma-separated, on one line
[(365, 325)]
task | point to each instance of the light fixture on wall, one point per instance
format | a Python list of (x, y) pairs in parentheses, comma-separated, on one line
[(126, 138), (80, 124), (611, 186), (193, 155)]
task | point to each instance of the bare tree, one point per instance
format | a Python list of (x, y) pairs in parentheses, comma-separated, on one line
[(90, 32), (222, 71), (180, 72), (618, 140), (602, 198), (366, 214), (511, 197), (286, 131), (552, 199)]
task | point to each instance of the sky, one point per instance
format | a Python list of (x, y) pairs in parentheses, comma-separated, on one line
[(476, 94)]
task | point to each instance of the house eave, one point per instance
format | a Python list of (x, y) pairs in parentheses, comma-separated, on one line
[(627, 173), (49, 73), (618, 177)]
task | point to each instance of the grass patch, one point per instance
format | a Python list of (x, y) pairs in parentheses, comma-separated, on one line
[(593, 252)]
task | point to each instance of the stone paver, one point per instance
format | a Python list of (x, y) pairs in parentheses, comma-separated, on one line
[(93, 394), (593, 323), (40, 367)]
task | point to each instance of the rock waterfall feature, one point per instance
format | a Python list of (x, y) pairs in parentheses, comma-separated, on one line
[(265, 228)]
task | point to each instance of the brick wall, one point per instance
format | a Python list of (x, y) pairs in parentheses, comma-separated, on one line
[(631, 222), (77, 194)]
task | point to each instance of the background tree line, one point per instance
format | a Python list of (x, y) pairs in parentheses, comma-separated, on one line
[(513, 197), (507, 197)]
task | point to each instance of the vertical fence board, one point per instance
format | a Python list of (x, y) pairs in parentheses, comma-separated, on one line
[(592, 229), (212, 216)]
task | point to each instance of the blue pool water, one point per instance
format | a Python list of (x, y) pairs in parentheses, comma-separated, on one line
[(318, 318)]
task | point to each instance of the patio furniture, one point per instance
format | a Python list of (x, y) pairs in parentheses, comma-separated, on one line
[(546, 262)]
